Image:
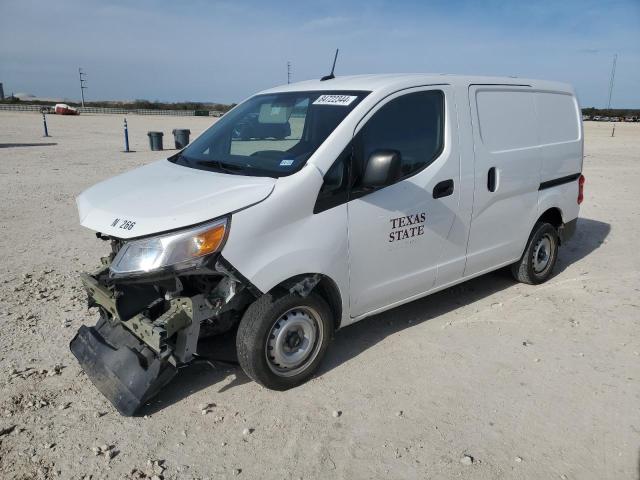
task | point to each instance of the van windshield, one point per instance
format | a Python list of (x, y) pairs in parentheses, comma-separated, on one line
[(270, 135)]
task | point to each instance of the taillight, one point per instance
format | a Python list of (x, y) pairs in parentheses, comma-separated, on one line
[(580, 189)]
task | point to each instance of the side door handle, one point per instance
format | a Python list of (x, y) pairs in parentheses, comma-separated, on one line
[(491, 179), (443, 189)]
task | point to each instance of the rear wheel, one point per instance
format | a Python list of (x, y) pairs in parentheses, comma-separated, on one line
[(539, 257), (282, 339)]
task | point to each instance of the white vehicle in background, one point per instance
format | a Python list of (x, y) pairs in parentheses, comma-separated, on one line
[(384, 189)]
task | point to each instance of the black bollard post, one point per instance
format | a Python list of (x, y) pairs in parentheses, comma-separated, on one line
[(44, 121), (126, 137)]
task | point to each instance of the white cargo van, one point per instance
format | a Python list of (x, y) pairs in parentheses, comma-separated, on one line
[(315, 205)]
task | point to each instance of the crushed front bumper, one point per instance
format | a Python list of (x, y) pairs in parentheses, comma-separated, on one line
[(155, 333), (115, 363), (130, 360)]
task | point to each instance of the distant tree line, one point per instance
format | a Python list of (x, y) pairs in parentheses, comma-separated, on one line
[(611, 112)]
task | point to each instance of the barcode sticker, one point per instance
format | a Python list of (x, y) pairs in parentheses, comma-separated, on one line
[(341, 100)]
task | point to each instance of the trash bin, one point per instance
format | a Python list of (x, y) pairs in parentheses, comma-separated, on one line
[(155, 140), (181, 137)]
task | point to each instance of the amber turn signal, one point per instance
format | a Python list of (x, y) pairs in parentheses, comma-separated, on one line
[(209, 241)]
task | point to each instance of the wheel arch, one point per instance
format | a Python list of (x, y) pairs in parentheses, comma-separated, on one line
[(552, 216), (322, 285)]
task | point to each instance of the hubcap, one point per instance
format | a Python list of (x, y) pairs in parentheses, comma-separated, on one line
[(542, 254), (294, 341)]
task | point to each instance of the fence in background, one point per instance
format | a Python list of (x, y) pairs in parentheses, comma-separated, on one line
[(120, 111)]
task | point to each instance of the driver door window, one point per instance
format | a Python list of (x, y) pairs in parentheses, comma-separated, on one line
[(412, 125)]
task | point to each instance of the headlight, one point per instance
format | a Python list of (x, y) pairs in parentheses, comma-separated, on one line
[(181, 250)]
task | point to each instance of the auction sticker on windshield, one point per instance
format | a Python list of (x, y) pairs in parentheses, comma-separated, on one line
[(342, 100)]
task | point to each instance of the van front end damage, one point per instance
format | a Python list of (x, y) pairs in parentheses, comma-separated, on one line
[(149, 327)]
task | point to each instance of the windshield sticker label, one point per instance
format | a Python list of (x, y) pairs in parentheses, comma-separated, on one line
[(286, 163), (342, 100)]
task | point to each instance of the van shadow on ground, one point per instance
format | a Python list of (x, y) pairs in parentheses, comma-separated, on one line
[(355, 339), (221, 352)]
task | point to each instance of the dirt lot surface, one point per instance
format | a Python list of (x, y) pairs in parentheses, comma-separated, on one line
[(490, 379)]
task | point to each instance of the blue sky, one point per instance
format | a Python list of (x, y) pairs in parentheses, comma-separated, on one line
[(226, 50)]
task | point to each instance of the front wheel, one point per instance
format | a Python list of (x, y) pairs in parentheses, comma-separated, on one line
[(282, 339), (539, 257)]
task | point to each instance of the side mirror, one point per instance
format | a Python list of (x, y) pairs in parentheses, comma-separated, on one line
[(383, 168)]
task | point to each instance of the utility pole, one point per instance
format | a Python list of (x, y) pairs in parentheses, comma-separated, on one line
[(612, 79), (82, 82), (288, 72)]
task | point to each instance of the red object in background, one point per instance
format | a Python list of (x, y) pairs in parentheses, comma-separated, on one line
[(580, 189), (64, 109)]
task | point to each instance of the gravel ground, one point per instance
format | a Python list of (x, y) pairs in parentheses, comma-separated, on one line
[(489, 379)]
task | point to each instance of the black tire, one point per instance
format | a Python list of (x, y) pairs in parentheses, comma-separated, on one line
[(533, 268), (257, 328)]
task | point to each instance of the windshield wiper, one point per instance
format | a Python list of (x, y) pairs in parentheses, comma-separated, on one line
[(216, 165), (221, 166), (230, 166)]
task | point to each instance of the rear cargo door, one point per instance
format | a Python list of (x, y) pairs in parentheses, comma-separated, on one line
[(507, 162)]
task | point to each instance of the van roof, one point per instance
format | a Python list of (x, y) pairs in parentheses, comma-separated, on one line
[(396, 81)]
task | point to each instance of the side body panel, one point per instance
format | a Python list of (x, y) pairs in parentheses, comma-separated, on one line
[(454, 252), (560, 133), (505, 142), (281, 237), (397, 235), (529, 136), (562, 138)]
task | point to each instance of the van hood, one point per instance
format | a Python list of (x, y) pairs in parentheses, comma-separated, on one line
[(164, 196)]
